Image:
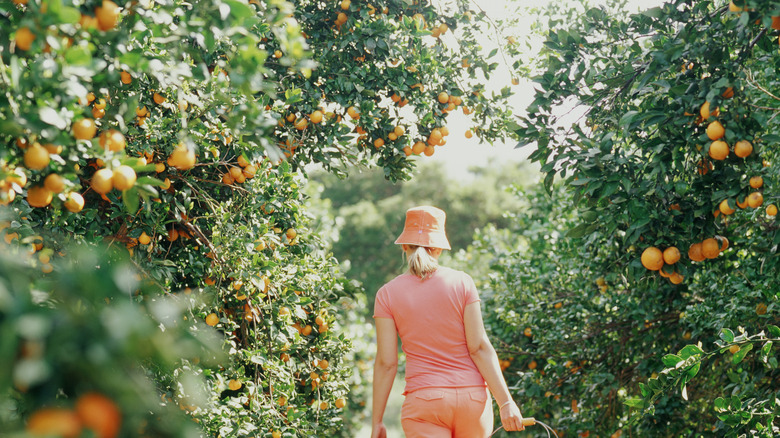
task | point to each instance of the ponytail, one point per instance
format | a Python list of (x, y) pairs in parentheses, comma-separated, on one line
[(421, 262)]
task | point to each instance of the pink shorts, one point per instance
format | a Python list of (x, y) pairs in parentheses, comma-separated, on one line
[(447, 413)]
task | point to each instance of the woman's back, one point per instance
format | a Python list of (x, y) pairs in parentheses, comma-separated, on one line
[(428, 315)]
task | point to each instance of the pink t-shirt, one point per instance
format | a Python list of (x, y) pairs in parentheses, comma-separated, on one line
[(428, 315)]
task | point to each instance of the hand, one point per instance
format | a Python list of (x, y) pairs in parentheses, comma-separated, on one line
[(379, 431), (511, 418)]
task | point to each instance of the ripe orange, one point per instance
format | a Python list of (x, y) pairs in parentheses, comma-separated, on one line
[(234, 385), (399, 131), (158, 98), (671, 255), (676, 278), (39, 196), (112, 140), (725, 208), (729, 93), (107, 15), (771, 210), (743, 204), (724, 243), (469, 134), (761, 309), (102, 181), (99, 414), (743, 148), (182, 158), (100, 104), (98, 113), (353, 113), (719, 150), (443, 97), (36, 157), (74, 203), (429, 151), (652, 258), (379, 142), (734, 349), (418, 148), (323, 364), (276, 434), (278, 53), (84, 129), (340, 403), (54, 422), (710, 248), (715, 130), (306, 331), (53, 149), (144, 238), (24, 38), (705, 111), (755, 199), (291, 233), (17, 177), (124, 177), (54, 183), (127, 79), (528, 332), (212, 319), (756, 182), (301, 124), (532, 365), (694, 253), (316, 117)]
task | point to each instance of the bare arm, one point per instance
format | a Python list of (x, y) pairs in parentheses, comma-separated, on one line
[(385, 367), (485, 358)]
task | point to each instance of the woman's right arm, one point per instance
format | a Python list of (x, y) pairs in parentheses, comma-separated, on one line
[(485, 358), (385, 367)]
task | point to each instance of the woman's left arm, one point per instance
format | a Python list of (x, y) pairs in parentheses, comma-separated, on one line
[(385, 367)]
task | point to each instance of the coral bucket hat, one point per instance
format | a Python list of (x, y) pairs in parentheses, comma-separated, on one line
[(424, 226)]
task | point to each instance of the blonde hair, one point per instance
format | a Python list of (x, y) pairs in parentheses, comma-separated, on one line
[(421, 262)]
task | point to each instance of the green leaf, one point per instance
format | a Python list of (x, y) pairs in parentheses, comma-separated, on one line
[(670, 360), (739, 355), (634, 402), (131, 199), (774, 330), (727, 335)]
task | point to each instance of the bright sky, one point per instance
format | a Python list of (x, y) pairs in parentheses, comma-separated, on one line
[(459, 154)]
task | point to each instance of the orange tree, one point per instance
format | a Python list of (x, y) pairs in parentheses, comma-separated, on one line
[(649, 296), (161, 129)]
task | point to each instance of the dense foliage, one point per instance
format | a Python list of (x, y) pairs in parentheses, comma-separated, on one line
[(677, 122), (176, 132)]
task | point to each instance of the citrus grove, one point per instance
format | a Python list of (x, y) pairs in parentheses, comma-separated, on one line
[(639, 297), (151, 159)]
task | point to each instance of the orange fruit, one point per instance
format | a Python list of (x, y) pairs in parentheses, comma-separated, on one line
[(144, 238), (53, 149), (407, 151), (316, 117), (84, 129), (399, 131), (710, 248), (24, 38), (158, 98), (443, 97), (353, 113), (212, 319), (743, 148), (771, 210), (528, 332), (418, 148), (126, 79), (755, 199), (429, 151), (719, 150), (234, 385), (39, 196), (102, 181), (743, 204), (671, 255), (761, 309), (652, 258), (532, 365), (729, 93), (112, 140), (379, 142), (276, 434), (694, 253), (54, 183), (469, 134), (291, 233), (74, 202), (54, 422), (705, 111), (734, 349), (323, 364), (36, 157), (676, 278), (278, 53), (182, 158), (725, 208), (306, 331), (756, 182), (715, 130), (98, 113), (17, 177), (99, 414), (124, 177), (107, 15), (301, 124), (100, 104), (340, 403)]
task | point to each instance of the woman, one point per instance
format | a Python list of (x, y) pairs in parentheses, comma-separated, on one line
[(449, 359)]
